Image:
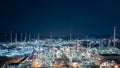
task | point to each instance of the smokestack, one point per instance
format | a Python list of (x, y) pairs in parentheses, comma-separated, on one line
[(70, 37), (21, 37), (38, 36), (16, 37), (11, 36), (34, 36), (114, 35), (29, 37), (25, 39), (50, 35)]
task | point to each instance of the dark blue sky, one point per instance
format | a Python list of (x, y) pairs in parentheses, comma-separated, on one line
[(60, 17)]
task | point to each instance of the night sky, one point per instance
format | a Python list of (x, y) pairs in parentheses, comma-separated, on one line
[(61, 17)]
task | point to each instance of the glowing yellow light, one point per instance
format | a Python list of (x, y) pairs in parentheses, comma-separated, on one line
[(99, 58), (116, 66), (83, 54), (104, 63), (75, 64)]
